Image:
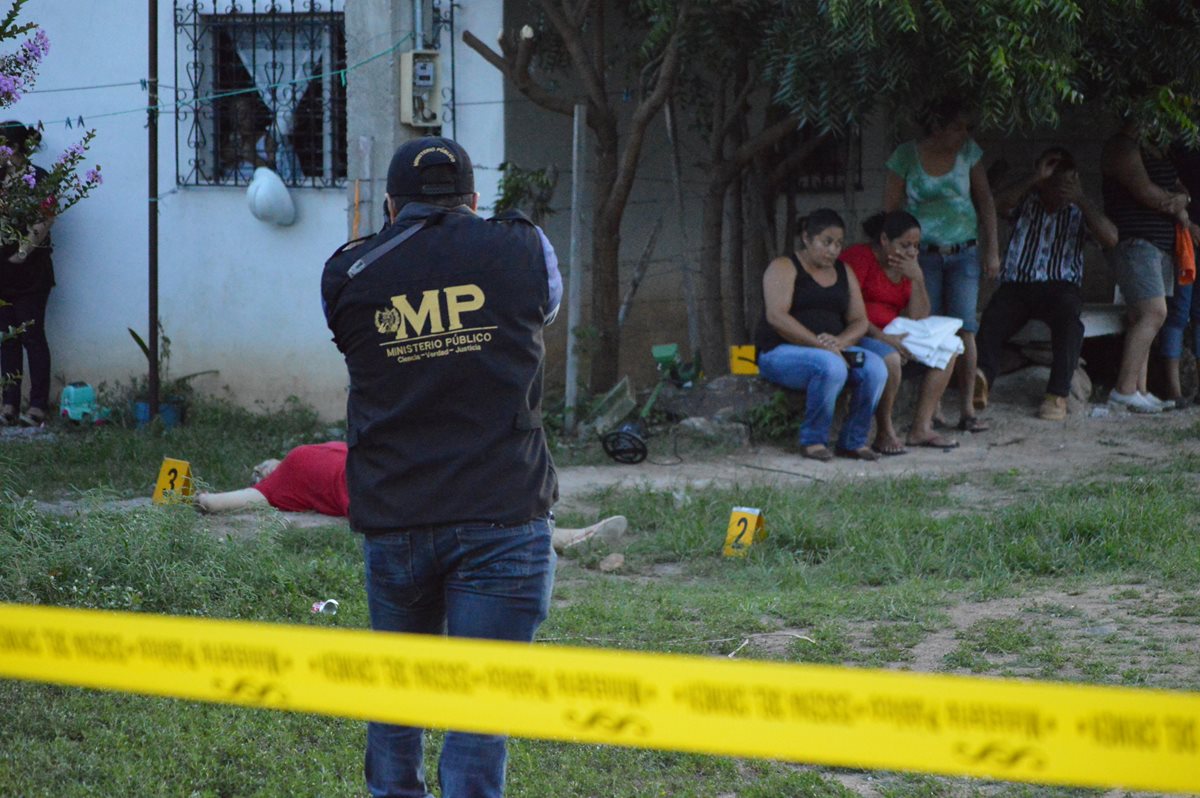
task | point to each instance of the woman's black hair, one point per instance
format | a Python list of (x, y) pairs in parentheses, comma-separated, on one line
[(892, 224), (820, 219), (939, 112), (19, 135)]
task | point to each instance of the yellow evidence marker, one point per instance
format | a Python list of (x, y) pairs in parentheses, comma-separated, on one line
[(174, 482), (746, 527), (743, 360)]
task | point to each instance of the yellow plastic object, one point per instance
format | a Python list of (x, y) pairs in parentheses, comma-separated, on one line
[(746, 527), (174, 482), (743, 360)]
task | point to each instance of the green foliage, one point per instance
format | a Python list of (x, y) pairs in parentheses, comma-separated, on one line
[(177, 388), (774, 421), (221, 441), (11, 332), (1019, 61), (9, 29), (528, 190)]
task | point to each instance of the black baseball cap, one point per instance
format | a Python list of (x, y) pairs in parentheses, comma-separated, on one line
[(407, 172)]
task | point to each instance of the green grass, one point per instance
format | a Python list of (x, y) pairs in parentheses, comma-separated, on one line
[(860, 574), (221, 442)]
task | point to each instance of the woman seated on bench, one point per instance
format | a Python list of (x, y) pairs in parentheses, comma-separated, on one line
[(807, 339), (892, 285)]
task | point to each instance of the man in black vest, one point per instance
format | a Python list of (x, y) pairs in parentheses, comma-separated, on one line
[(440, 319)]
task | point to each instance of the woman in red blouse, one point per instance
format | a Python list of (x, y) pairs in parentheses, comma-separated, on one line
[(893, 285)]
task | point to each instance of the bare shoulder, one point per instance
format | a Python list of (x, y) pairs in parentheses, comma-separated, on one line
[(780, 277), (781, 266)]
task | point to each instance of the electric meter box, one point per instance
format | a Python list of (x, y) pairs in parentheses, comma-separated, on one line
[(420, 88)]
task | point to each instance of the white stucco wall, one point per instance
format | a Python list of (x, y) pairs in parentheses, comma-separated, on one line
[(236, 294), (478, 121)]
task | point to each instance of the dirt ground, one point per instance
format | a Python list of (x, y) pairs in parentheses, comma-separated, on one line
[(1018, 442)]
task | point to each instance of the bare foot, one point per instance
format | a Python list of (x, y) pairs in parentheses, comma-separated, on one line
[(890, 445)]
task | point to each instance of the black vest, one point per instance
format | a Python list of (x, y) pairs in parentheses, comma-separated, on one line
[(443, 340)]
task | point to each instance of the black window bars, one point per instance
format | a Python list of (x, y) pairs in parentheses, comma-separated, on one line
[(260, 83)]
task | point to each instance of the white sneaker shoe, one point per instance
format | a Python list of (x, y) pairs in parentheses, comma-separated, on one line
[(1163, 404), (1133, 402)]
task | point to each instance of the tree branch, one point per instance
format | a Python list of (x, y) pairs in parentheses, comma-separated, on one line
[(592, 80), (647, 109), (770, 136), (739, 102), (579, 14), (522, 80)]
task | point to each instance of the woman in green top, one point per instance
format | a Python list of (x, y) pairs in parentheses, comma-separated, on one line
[(940, 179)]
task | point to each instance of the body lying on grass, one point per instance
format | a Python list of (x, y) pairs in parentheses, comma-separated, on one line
[(312, 478)]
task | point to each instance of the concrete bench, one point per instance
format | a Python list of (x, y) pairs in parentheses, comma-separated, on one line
[(1099, 318)]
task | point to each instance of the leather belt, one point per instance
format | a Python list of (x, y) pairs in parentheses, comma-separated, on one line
[(953, 249)]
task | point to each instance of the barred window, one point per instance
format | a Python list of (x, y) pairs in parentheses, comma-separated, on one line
[(258, 84), (833, 166)]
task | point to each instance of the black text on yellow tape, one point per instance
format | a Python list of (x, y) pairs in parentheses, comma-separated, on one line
[(1022, 731)]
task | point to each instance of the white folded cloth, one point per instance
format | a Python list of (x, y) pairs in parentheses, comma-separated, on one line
[(932, 340)]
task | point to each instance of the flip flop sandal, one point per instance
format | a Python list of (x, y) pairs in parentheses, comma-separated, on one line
[(820, 453), (945, 444), (890, 451), (864, 453), (972, 424)]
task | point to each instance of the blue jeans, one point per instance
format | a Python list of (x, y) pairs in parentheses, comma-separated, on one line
[(821, 374), (1181, 306), (952, 282), (477, 581)]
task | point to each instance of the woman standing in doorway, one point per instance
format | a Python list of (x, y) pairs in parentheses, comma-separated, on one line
[(939, 178), (26, 277)]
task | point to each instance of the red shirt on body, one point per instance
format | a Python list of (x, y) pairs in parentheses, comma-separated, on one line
[(884, 299), (311, 477)]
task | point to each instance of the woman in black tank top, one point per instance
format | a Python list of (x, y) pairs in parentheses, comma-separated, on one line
[(1143, 197), (807, 339)]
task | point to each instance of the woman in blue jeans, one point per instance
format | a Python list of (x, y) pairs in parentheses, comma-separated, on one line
[(807, 339), (940, 179)]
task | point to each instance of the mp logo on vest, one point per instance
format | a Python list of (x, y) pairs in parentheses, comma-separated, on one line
[(432, 323)]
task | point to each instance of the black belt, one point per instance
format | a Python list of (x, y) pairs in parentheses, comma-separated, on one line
[(953, 249)]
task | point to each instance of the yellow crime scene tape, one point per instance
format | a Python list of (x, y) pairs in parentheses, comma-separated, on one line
[(1014, 730)]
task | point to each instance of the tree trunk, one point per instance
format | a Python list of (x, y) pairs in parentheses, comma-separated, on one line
[(615, 171), (606, 268), (760, 244), (735, 287), (712, 315)]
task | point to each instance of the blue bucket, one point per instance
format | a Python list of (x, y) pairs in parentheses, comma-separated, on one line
[(171, 413)]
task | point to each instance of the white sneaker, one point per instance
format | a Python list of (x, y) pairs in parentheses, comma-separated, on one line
[(1163, 404), (1133, 402)]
